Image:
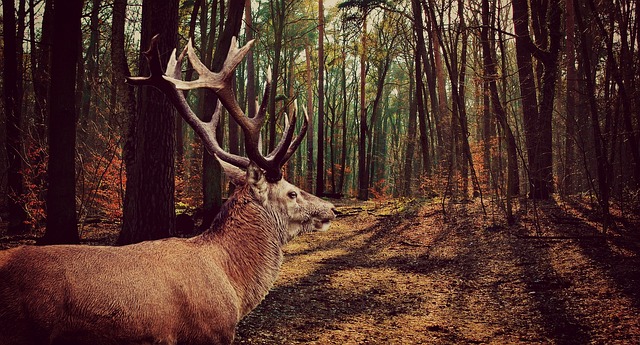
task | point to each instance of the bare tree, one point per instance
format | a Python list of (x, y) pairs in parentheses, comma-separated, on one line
[(538, 116)]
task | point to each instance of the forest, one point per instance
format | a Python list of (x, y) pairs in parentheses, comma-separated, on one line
[(503, 120)]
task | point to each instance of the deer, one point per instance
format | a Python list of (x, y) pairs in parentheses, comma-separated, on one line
[(175, 290)]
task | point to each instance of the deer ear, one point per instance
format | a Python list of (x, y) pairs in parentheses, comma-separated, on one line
[(255, 177)]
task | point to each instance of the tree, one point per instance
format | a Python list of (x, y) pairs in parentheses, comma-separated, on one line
[(212, 172), (149, 207), (538, 116), (320, 151), (12, 105), (570, 104), (123, 103), (363, 8), (61, 195), (490, 75)]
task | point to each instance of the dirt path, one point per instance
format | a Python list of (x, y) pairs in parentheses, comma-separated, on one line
[(398, 274)]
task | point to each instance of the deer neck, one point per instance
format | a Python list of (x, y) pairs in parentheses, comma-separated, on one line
[(250, 238)]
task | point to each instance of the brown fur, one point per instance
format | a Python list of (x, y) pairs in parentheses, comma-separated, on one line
[(171, 291)]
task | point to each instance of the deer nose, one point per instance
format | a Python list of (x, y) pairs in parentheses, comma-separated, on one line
[(335, 212)]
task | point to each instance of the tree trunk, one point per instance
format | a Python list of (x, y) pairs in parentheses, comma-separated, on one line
[(91, 63), (345, 128), (537, 119), (411, 133), (442, 117), (12, 106), (320, 150), (61, 197), (278, 16), (310, 165), (570, 105), (251, 68), (513, 179), (149, 200), (528, 93), (211, 170), (602, 162), (363, 172), (124, 103), (421, 53)]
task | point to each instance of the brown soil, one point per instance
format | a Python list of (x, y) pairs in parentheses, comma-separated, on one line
[(398, 273)]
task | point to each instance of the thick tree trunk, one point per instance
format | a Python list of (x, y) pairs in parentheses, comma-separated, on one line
[(149, 207), (539, 188), (61, 196)]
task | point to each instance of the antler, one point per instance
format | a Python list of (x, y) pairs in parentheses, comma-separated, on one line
[(171, 84)]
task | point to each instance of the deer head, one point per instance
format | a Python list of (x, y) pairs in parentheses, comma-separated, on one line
[(261, 175)]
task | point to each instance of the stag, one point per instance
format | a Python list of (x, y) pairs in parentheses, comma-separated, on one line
[(176, 290)]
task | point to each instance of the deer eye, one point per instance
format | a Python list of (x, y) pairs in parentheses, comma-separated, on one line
[(292, 195)]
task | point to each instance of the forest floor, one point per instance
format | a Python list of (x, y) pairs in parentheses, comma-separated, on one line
[(398, 272), (404, 271)]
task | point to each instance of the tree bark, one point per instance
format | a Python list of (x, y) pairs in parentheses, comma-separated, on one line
[(570, 104), (12, 105), (527, 90), (278, 16), (310, 165), (149, 207), (363, 172), (490, 74), (601, 160), (251, 69), (61, 225), (411, 133), (321, 115), (420, 60)]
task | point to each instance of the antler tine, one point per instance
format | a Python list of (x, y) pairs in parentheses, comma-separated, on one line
[(171, 85), (303, 131), (219, 82), (166, 84), (284, 142), (279, 151), (158, 80)]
